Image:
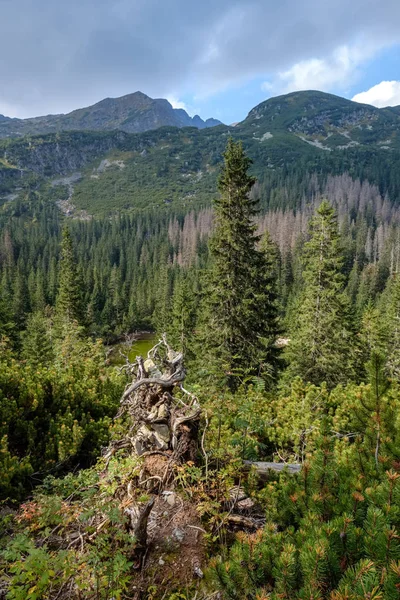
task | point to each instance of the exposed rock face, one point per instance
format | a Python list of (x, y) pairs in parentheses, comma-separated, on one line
[(9, 177), (55, 155), (133, 113)]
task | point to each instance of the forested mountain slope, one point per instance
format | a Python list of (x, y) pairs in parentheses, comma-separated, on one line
[(287, 138)]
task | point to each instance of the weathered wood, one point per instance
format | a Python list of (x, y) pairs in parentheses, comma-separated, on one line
[(140, 533), (263, 468), (164, 383), (242, 522), (140, 530)]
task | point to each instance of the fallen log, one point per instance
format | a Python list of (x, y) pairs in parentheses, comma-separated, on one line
[(263, 468), (242, 522)]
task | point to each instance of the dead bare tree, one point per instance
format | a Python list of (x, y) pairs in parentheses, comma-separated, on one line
[(159, 422)]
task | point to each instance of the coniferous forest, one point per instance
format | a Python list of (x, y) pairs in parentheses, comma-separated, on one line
[(254, 452)]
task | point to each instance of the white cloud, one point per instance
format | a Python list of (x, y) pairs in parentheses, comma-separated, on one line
[(339, 69), (385, 93), (319, 73), (267, 86), (177, 103)]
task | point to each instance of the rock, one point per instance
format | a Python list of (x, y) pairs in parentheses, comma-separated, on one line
[(170, 497), (179, 535), (153, 415), (172, 355), (162, 431), (198, 572), (162, 412), (146, 438), (263, 468), (144, 432), (149, 364), (139, 448), (141, 440), (171, 500), (158, 442)]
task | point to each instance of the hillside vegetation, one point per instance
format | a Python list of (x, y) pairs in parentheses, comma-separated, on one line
[(253, 453)]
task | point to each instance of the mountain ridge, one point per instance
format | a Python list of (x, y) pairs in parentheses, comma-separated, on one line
[(132, 113), (327, 121)]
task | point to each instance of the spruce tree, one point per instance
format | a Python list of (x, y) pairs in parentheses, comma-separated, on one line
[(321, 340), (161, 316), (20, 300), (392, 323), (69, 297), (240, 319), (7, 324), (36, 339), (273, 261), (39, 297), (183, 317), (373, 337)]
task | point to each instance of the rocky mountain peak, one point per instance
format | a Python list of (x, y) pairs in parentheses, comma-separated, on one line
[(132, 113)]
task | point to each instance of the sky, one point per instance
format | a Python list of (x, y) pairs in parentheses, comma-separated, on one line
[(216, 58)]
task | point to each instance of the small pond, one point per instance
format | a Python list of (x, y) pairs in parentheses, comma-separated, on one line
[(140, 347)]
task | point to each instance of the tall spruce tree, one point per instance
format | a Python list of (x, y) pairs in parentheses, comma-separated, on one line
[(69, 305), (240, 318), (321, 340)]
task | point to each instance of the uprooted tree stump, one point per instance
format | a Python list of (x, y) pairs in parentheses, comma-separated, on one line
[(158, 423), (161, 431)]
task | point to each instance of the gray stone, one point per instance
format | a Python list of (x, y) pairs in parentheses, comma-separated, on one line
[(198, 572), (159, 442), (140, 449), (179, 534), (162, 431), (171, 499)]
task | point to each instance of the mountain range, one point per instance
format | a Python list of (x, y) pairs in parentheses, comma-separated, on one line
[(133, 113), (101, 169)]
